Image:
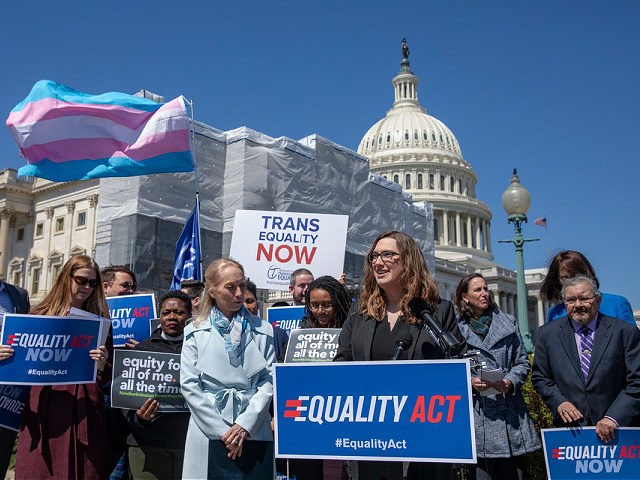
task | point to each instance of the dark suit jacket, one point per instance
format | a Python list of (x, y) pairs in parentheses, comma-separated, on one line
[(356, 336), (612, 387), (19, 297)]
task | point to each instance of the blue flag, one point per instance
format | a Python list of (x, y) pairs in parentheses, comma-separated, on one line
[(187, 262)]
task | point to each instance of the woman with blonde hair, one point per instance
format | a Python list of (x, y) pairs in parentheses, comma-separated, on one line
[(226, 380), (63, 431), (395, 274)]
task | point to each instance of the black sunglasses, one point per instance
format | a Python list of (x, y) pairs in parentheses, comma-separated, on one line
[(80, 280), (128, 285)]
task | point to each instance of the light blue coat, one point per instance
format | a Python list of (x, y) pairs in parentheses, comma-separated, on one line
[(503, 426), (219, 394)]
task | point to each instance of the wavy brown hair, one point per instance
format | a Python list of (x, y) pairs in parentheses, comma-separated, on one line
[(417, 281), (575, 262), (212, 279), (58, 301), (464, 310)]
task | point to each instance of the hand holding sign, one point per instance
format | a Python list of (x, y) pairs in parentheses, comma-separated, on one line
[(148, 410), (5, 352), (99, 355)]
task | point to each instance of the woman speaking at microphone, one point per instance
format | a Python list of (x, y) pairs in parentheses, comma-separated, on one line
[(394, 274)]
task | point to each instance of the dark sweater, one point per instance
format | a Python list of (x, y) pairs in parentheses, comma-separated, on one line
[(166, 430)]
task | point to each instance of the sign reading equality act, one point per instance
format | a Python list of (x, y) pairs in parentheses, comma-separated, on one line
[(130, 316), (49, 350), (392, 412), (579, 454)]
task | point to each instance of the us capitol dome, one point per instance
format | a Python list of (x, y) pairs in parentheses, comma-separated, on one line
[(421, 154)]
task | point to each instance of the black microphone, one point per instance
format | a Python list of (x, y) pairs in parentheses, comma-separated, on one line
[(448, 342), (403, 343)]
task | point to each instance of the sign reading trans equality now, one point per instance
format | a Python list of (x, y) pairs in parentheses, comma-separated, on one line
[(402, 411), (272, 245)]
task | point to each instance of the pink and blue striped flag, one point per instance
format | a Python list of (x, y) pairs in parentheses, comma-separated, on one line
[(69, 135)]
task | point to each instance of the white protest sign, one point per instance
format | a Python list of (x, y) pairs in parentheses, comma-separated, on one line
[(271, 245)]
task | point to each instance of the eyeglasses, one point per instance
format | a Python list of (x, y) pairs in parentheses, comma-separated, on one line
[(80, 280), (574, 300), (386, 256), (249, 301), (324, 306), (128, 286)]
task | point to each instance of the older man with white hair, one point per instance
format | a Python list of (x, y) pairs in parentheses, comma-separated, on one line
[(587, 365)]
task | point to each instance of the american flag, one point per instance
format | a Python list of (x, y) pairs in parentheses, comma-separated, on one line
[(541, 222)]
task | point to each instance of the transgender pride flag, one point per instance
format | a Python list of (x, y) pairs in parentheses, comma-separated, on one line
[(69, 135)]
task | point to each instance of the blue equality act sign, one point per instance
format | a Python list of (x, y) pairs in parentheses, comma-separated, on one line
[(402, 411), (579, 454), (130, 316), (49, 350), (287, 318)]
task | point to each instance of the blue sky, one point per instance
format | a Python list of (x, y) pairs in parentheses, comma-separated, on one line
[(552, 88)]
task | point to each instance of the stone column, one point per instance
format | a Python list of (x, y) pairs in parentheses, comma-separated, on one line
[(5, 218), (458, 230), (69, 226), (540, 312), (488, 236), (477, 229), (92, 223), (469, 238), (445, 227)]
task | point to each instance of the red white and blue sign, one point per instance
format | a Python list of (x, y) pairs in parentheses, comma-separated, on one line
[(49, 350), (402, 411), (572, 453), (130, 316), (287, 318)]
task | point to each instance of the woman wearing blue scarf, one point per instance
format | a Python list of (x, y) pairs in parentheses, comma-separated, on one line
[(227, 382)]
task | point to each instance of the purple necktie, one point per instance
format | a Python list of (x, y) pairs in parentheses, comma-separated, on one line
[(586, 347)]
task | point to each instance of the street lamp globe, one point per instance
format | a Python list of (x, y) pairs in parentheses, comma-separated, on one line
[(516, 199)]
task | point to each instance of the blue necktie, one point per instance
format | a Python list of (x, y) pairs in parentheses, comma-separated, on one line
[(586, 347)]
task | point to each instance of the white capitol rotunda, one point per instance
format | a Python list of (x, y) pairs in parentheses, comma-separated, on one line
[(421, 154)]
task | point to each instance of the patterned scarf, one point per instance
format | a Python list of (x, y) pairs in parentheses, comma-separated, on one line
[(481, 325), (232, 330)]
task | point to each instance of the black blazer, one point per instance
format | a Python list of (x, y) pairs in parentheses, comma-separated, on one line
[(356, 337), (20, 298), (612, 387)]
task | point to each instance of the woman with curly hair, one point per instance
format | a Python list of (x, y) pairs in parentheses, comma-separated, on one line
[(64, 430), (326, 304), (395, 273)]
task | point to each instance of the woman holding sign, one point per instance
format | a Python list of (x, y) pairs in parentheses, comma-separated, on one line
[(63, 431), (156, 440), (226, 380), (327, 305), (396, 274), (504, 431)]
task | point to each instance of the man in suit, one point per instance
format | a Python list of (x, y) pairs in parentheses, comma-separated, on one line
[(12, 300), (587, 365)]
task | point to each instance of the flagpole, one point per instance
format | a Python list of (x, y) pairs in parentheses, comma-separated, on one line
[(195, 163)]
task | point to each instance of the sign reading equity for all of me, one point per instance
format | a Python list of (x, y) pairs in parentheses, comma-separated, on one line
[(271, 245), (312, 345), (49, 350), (139, 375), (130, 316)]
